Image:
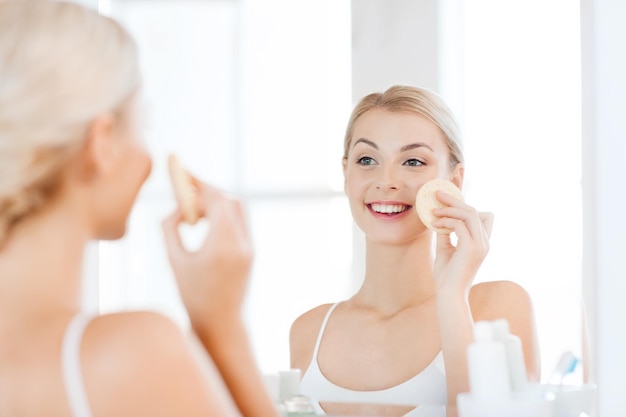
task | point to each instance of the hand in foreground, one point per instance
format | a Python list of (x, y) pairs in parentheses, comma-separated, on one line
[(212, 283), (212, 280)]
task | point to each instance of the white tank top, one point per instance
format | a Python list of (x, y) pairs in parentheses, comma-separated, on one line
[(70, 363), (426, 389)]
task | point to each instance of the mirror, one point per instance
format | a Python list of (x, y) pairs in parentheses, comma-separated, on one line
[(254, 96)]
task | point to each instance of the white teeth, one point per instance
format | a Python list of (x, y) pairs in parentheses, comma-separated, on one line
[(388, 209)]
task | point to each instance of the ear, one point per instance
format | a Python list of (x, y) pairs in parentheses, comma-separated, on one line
[(344, 163), (458, 174), (100, 149)]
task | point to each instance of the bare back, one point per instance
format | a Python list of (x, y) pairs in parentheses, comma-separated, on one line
[(128, 362), (30, 377)]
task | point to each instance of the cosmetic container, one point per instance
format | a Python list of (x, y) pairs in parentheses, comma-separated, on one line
[(293, 403), (487, 365), (514, 355)]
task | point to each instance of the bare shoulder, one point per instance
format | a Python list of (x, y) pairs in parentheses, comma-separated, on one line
[(110, 327), (127, 336), (490, 300), (303, 335), (133, 357)]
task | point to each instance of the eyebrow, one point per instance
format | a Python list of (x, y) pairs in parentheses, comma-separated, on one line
[(414, 146), (403, 149), (367, 142)]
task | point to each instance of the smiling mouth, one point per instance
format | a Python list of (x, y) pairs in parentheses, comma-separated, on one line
[(389, 209)]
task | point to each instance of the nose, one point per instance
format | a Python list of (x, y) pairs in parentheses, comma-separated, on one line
[(388, 180)]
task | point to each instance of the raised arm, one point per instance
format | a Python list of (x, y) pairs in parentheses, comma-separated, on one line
[(212, 283), (455, 268)]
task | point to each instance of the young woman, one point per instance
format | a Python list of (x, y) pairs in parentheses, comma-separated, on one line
[(71, 164), (400, 341)]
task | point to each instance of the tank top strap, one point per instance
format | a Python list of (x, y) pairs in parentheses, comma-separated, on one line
[(70, 363), (322, 329)]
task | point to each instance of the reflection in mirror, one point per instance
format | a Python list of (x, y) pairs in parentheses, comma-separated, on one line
[(255, 96)]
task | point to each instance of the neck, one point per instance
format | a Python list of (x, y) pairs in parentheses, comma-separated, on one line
[(41, 262), (398, 276)]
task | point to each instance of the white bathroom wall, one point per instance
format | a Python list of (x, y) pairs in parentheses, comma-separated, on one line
[(604, 150), (394, 42)]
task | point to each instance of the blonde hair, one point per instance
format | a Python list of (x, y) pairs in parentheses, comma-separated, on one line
[(61, 65), (416, 100)]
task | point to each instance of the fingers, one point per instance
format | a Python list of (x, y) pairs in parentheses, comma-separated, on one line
[(228, 225), (456, 215), (444, 241), (487, 220), (239, 213), (236, 209), (207, 196), (173, 243), (462, 218), (223, 231)]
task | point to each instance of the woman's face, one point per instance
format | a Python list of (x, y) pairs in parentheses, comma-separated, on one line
[(132, 165), (391, 155)]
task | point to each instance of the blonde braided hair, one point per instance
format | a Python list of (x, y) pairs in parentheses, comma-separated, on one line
[(61, 65)]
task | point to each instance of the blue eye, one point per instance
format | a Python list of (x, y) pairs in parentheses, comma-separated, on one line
[(366, 160), (414, 163)]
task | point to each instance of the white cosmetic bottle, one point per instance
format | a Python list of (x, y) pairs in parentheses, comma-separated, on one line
[(514, 355), (294, 403), (487, 366)]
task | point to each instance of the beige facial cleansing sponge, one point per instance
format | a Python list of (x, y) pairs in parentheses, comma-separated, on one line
[(426, 200), (184, 190)]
